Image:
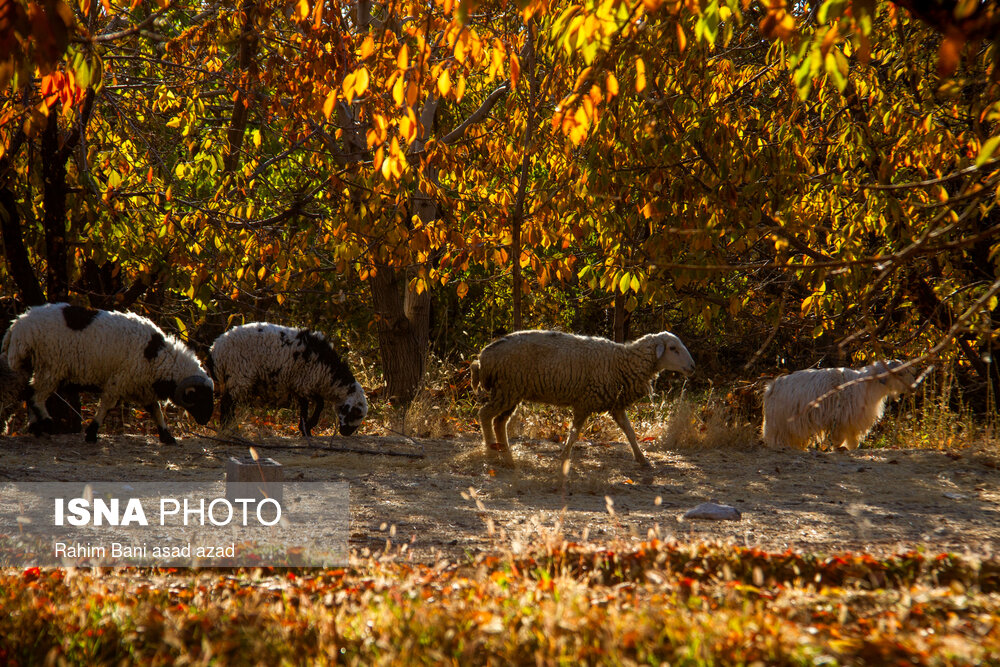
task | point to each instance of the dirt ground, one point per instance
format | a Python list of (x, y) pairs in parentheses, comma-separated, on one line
[(880, 501)]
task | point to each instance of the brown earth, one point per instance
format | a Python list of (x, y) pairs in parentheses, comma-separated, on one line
[(880, 501)]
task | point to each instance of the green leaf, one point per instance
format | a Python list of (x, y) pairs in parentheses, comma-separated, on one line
[(986, 152), (831, 9)]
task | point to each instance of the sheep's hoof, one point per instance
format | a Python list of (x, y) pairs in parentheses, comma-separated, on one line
[(165, 436), (40, 428), (91, 435)]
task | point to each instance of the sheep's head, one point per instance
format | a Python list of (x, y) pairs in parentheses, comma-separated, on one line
[(195, 394), (353, 410), (903, 380), (671, 355)]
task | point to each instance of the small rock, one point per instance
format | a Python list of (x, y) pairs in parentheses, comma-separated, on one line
[(955, 496), (713, 512)]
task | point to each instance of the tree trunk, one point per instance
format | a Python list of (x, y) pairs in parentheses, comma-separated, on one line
[(622, 317), (16, 254), (54, 222), (247, 71), (402, 320), (517, 218)]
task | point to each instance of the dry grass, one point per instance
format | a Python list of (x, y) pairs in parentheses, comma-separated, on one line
[(709, 423)]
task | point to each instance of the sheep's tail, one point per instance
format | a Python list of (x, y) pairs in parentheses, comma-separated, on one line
[(475, 374)]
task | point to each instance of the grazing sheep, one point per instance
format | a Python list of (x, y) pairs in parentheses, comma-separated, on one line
[(588, 374), (853, 403), (278, 364), (123, 356)]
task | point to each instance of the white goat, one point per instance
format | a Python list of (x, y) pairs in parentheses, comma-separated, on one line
[(840, 403)]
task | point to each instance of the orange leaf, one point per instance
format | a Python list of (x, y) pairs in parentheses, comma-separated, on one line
[(948, 55), (640, 75)]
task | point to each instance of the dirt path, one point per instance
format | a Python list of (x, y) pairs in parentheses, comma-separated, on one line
[(880, 501)]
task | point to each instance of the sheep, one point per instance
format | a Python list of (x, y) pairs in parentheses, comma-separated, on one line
[(123, 356), (588, 374), (848, 402), (276, 363)]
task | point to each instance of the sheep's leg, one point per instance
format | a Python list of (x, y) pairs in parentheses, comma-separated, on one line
[(39, 420), (852, 440), (156, 413), (493, 420), (102, 411), (304, 416), (500, 428), (622, 420), (486, 415), (226, 410), (574, 432), (315, 415)]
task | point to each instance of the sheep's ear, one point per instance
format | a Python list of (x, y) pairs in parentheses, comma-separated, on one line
[(660, 348)]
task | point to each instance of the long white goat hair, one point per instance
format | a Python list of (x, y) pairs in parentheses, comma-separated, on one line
[(842, 404)]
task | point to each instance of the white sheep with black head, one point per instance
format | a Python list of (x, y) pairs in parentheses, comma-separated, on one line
[(123, 356), (262, 362), (841, 404), (586, 373)]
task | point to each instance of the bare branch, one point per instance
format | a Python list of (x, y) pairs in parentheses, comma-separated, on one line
[(478, 115)]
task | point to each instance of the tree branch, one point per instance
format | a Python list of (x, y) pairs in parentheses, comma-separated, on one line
[(478, 115)]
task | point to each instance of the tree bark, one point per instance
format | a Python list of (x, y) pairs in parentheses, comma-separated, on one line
[(247, 69), (16, 254), (54, 221), (621, 318), (517, 218), (402, 333)]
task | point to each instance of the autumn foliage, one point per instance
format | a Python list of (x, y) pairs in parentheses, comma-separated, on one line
[(653, 602)]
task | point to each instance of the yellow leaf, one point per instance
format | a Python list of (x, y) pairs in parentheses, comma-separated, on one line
[(397, 92), (303, 9), (462, 289), (681, 37), (348, 86), (412, 93), (515, 71), (444, 83), (403, 58), (361, 84), (407, 128), (331, 100), (262, 273), (612, 85), (367, 47), (640, 75)]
